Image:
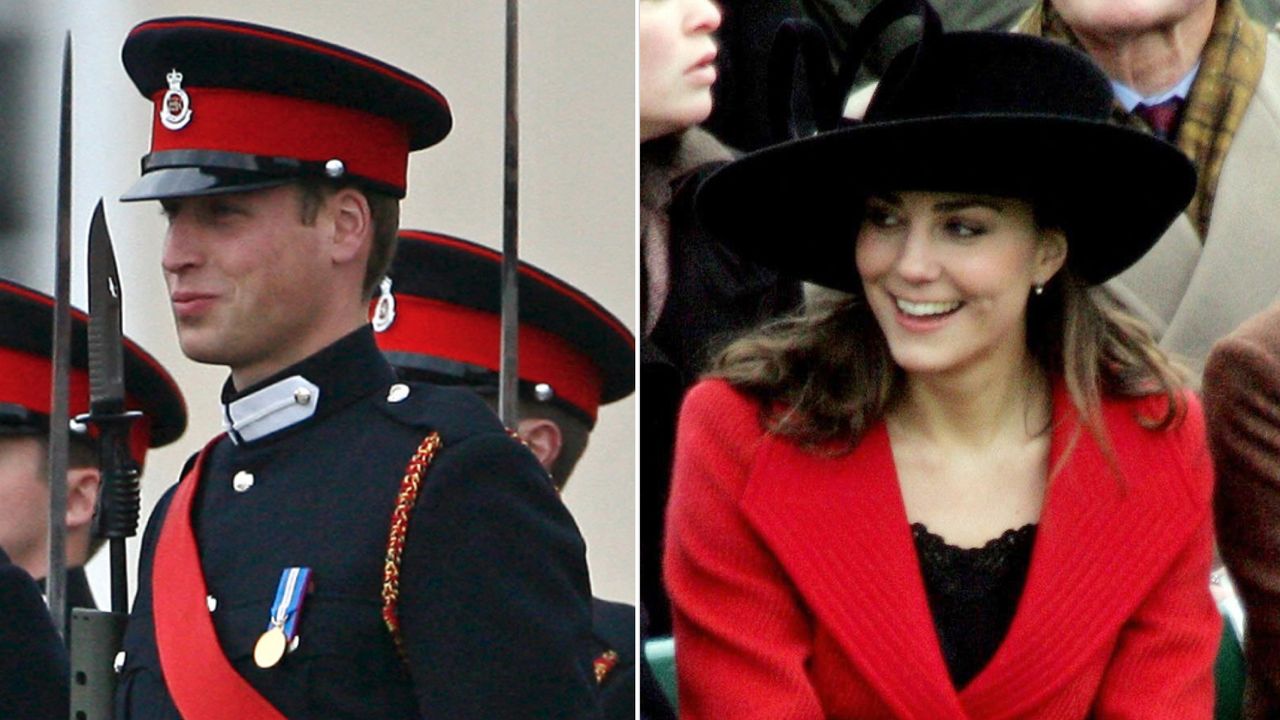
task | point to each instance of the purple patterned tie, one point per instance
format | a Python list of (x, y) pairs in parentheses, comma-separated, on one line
[(1162, 117)]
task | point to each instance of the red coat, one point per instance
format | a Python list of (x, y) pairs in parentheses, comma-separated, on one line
[(797, 593)]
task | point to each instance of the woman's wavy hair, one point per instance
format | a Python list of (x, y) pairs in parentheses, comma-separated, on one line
[(825, 375)]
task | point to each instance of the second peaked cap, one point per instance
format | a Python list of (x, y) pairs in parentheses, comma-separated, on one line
[(440, 318), (240, 107)]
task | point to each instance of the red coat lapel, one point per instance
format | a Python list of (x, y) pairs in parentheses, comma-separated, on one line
[(1104, 539), (839, 527)]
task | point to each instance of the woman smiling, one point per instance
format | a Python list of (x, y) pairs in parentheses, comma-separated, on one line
[(964, 483)]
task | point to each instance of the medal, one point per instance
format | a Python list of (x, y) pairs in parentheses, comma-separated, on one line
[(270, 648), (281, 635)]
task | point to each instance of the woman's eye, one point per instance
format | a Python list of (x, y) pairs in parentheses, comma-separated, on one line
[(965, 229)]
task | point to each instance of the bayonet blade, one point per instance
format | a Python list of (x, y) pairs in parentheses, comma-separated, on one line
[(508, 343), (116, 516), (59, 421), (106, 351)]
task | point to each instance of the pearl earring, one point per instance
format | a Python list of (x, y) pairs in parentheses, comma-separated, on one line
[(1038, 288)]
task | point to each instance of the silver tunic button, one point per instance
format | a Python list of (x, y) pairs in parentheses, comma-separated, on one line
[(302, 396), (118, 663), (242, 481), (212, 602), (397, 393)]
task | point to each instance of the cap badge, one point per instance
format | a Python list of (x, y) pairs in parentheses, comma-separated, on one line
[(175, 107), (384, 313)]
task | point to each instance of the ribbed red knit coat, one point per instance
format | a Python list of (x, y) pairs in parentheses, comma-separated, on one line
[(797, 593)]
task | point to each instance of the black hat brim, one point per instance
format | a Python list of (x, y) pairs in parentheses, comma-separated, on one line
[(797, 206), (178, 182)]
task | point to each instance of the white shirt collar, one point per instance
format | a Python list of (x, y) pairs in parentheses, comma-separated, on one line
[(275, 407), (1129, 98)]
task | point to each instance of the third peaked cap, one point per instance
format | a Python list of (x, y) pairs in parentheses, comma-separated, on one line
[(240, 107)]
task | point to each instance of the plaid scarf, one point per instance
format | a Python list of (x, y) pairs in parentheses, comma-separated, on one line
[(1230, 69)]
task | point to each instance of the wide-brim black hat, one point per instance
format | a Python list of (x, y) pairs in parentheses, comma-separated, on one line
[(441, 318), (26, 342), (976, 112), (241, 107)]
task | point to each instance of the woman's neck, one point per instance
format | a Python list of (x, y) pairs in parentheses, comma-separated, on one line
[(1155, 59), (977, 408)]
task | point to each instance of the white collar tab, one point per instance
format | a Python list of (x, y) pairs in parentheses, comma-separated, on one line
[(275, 407)]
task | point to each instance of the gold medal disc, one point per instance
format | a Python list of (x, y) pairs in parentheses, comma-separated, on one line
[(270, 647)]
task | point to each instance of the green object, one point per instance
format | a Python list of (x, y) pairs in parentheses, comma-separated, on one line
[(1228, 675), (661, 654)]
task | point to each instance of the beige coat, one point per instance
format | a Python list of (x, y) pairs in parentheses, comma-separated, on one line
[(1194, 294)]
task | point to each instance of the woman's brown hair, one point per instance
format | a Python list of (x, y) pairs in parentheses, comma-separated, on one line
[(825, 375)]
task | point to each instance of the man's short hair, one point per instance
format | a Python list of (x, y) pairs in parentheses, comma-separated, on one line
[(385, 211)]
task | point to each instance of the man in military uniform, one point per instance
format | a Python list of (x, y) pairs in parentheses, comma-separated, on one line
[(26, 321), (353, 546), (33, 661), (438, 319)]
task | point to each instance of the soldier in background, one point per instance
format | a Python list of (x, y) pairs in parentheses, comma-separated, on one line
[(26, 321), (438, 319), (33, 659)]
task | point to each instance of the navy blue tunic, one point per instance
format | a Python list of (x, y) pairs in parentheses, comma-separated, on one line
[(495, 599), (34, 681), (615, 631)]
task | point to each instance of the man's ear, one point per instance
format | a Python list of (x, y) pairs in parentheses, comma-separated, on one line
[(543, 438), (82, 496), (352, 224)]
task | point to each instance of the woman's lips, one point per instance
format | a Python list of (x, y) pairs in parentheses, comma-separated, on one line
[(705, 69)]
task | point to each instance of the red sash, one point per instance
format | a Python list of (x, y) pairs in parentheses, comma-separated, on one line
[(200, 679)]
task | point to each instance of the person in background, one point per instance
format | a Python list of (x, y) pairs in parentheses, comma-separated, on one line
[(748, 34), (438, 319), (1205, 76), (33, 659), (1242, 407), (352, 546), (695, 293), (961, 484), (26, 321)]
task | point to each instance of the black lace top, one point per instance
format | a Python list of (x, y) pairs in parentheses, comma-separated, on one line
[(973, 593)]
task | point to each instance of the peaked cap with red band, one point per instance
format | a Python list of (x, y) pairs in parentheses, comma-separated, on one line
[(241, 107), (442, 319), (26, 366)]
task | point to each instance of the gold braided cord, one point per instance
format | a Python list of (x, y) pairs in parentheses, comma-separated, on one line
[(405, 501), (604, 664)]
